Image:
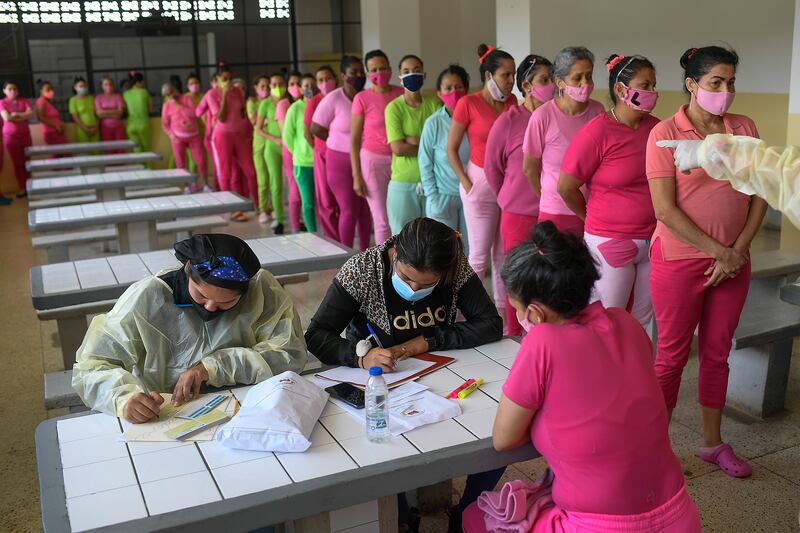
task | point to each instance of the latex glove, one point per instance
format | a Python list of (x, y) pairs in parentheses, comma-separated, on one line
[(685, 153)]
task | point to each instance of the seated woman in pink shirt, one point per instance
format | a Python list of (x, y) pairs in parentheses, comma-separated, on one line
[(700, 259), (583, 391), (181, 126), (551, 129), (607, 156), (519, 204), (48, 115)]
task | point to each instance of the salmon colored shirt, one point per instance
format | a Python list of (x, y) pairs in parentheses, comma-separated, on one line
[(372, 106), (50, 113), (714, 206), (319, 144), (477, 117)]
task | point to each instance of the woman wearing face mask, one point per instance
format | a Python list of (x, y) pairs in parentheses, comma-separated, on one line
[(607, 156), (439, 181), (194, 92), (474, 115), (551, 129), (110, 107), (294, 82), (180, 124), (235, 323), (325, 204), (81, 108), (267, 127), (48, 115), (331, 122), (405, 117), (370, 155), (582, 390), (226, 105), (261, 91), (139, 106), (301, 152), (700, 264), (16, 113), (518, 203)]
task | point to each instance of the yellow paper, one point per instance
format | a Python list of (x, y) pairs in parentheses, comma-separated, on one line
[(156, 429)]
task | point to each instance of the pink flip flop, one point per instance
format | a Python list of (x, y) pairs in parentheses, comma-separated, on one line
[(724, 457)]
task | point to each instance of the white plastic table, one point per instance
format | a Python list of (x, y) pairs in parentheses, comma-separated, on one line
[(136, 219), (90, 480), (79, 148), (109, 185), (87, 164)]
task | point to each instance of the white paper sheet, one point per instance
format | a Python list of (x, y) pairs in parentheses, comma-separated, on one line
[(154, 430), (357, 376)]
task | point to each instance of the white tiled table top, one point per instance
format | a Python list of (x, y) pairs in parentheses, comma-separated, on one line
[(68, 148), (92, 160), (107, 482), (109, 180)]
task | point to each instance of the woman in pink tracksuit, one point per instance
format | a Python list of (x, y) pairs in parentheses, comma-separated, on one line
[(110, 107), (474, 116), (16, 113), (180, 124), (48, 116)]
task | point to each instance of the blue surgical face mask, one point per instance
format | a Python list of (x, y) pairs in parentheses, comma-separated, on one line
[(413, 82), (407, 293)]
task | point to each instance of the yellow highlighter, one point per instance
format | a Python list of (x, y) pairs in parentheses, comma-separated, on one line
[(469, 390)]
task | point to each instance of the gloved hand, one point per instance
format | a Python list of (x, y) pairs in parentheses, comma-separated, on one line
[(685, 153)]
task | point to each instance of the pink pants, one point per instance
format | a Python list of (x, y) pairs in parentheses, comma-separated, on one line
[(16, 144), (681, 303), (571, 223), (353, 211), (483, 230), (193, 144), (295, 202), (327, 210), (624, 266), (678, 515), (54, 137), (113, 133), (377, 171), (234, 150), (212, 155), (515, 229)]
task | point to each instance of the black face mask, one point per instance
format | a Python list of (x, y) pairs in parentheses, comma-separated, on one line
[(357, 82), (182, 298)]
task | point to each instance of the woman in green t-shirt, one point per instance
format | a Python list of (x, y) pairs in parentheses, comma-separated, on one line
[(81, 107), (267, 127), (139, 105)]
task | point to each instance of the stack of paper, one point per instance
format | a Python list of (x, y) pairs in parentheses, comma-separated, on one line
[(358, 377)]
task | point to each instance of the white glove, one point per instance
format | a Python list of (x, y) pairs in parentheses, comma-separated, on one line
[(685, 153)]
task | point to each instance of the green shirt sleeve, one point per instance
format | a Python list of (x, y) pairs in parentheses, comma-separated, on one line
[(73, 105), (394, 121), (289, 129)]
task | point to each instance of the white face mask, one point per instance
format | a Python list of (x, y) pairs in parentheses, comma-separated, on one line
[(82, 91), (495, 92)]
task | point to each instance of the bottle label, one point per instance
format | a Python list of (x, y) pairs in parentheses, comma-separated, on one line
[(376, 422)]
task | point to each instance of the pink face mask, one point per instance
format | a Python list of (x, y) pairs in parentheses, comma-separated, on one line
[(579, 94), (640, 99), (451, 99), (526, 324), (262, 93), (715, 103), (107, 89), (194, 88), (326, 86), (380, 79), (543, 93), (295, 91)]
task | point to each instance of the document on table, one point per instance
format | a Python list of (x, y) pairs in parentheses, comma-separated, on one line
[(173, 422), (358, 377)]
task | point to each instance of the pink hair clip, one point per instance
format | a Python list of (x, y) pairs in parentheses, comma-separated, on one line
[(614, 62), (691, 53), (489, 51)]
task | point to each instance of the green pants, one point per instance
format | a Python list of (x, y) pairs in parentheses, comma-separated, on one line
[(140, 134), (273, 180), (262, 175), (82, 137), (304, 176), (404, 203)]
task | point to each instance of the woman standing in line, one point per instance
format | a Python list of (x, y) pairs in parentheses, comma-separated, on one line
[(267, 127), (110, 107), (473, 116), (16, 113), (261, 92), (193, 91), (81, 108), (139, 106), (370, 155), (180, 124), (48, 115), (302, 154), (519, 204), (331, 122), (294, 81)]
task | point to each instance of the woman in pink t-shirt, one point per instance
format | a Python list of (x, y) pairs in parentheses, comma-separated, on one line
[(48, 115), (16, 113), (700, 261), (370, 154), (181, 126), (473, 116), (519, 204), (331, 123), (552, 128), (110, 107), (607, 156), (583, 391)]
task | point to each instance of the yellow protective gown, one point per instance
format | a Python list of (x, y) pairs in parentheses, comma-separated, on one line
[(752, 167), (147, 337)]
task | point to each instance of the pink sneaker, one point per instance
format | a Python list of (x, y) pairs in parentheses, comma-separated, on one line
[(723, 456), (263, 218)]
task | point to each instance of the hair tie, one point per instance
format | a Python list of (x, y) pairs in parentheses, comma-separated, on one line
[(692, 52), (614, 62), (489, 51), (458, 234)]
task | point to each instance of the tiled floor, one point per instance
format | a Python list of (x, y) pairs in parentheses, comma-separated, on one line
[(768, 502)]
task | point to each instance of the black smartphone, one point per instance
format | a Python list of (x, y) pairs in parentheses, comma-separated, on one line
[(348, 394)]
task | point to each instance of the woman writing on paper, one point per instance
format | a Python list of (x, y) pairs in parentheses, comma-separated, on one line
[(219, 318)]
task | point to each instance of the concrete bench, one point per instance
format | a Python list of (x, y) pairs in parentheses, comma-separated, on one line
[(61, 200), (72, 171), (57, 245), (770, 271)]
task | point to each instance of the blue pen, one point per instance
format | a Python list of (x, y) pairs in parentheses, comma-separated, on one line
[(374, 335)]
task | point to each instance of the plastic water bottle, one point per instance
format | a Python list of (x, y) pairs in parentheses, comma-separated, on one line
[(376, 398)]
